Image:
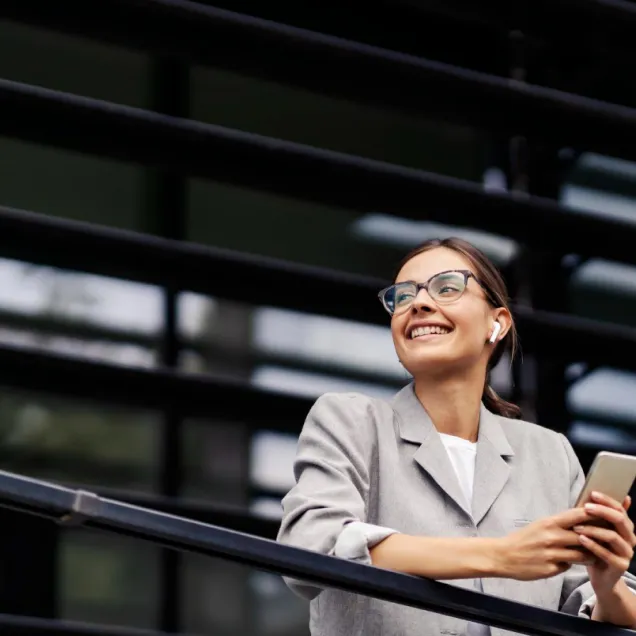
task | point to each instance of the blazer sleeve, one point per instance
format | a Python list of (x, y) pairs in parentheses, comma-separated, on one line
[(577, 594), (333, 465)]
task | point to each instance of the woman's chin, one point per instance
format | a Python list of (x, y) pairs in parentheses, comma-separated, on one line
[(429, 361)]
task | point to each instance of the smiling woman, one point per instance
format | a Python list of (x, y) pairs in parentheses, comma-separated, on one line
[(465, 296), (444, 480)]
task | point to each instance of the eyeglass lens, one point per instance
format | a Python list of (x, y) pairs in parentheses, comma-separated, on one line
[(443, 288)]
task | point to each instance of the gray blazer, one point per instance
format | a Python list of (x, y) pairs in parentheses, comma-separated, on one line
[(366, 459)]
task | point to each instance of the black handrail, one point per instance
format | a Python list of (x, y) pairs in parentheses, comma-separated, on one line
[(335, 66), (12, 625), (81, 508)]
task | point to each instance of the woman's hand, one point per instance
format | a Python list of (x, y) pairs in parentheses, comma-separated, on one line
[(543, 548), (612, 547)]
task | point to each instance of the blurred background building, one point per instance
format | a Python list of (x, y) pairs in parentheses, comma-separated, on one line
[(234, 470)]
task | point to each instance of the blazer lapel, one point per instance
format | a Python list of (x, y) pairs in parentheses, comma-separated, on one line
[(491, 469), (415, 426)]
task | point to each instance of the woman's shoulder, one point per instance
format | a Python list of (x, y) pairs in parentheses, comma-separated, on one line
[(351, 403), (351, 414), (523, 433)]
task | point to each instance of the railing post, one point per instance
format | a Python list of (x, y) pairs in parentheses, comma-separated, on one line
[(166, 209), (28, 565)]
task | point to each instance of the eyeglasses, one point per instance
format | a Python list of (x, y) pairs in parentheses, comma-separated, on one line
[(444, 288)]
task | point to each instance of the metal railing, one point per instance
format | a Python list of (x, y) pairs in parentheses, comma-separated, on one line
[(82, 508)]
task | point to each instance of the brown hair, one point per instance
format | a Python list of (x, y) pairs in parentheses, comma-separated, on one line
[(492, 280)]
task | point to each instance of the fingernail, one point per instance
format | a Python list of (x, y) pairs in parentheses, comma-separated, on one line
[(589, 506), (583, 538), (596, 495), (578, 528)]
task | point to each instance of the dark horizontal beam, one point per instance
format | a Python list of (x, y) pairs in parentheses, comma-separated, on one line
[(575, 339), (551, 335), (188, 266), (190, 395), (600, 24), (226, 274), (345, 69), (217, 350), (182, 534), (296, 170)]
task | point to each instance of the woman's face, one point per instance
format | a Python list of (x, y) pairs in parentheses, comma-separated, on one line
[(466, 323)]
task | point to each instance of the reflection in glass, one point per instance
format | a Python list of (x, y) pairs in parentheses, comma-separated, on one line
[(214, 597), (78, 443), (605, 394), (405, 234), (340, 343), (272, 460), (108, 579), (83, 315), (307, 384), (215, 461)]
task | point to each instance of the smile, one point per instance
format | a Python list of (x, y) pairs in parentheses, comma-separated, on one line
[(434, 330)]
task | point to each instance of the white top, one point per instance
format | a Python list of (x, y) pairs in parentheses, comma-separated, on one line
[(462, 454)]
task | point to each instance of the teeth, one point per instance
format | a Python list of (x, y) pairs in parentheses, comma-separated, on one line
[(427, 331)]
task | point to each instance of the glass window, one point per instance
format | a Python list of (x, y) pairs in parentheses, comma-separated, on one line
[(277, 609), (597, 436), (273, 109), (297, 230), (272, 459), (73, 64), (214, 596), (282, 227), (277, 348), (108, 579), (601, 401), (224, 598), (405, 234), (215, 461), (78, 443), (603, 187), (71, 185), (605, 394), (83, 315)]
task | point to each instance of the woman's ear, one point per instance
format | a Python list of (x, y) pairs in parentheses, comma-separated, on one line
[(504, 318)]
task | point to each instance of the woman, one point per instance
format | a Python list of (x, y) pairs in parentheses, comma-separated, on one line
[(444, 481)]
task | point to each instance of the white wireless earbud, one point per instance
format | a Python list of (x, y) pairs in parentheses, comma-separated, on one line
[(496, 328)]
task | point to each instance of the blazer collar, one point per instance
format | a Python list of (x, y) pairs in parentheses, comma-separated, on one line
[(491, 469)]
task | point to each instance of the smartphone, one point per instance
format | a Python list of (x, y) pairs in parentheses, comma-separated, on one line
[(611, 474)]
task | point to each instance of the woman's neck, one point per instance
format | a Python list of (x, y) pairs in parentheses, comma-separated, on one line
[(452, 404)]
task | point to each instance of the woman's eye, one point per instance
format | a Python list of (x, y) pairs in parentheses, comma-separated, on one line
[(448, 289), (403, 297)]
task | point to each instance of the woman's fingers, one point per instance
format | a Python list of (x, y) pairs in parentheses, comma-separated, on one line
[(614, 514), (569, 555), (620, 563), (611, 538), (607, 501)]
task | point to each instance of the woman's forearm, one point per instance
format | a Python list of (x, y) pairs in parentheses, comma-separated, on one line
[(618, 607), (437, 557)]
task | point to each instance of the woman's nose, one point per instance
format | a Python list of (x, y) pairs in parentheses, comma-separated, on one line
[(422, 302)]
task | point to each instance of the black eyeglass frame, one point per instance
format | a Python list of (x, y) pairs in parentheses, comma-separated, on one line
[(419, 286)]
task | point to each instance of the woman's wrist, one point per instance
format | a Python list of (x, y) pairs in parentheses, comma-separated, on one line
[(492, 557), (616, 605)]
